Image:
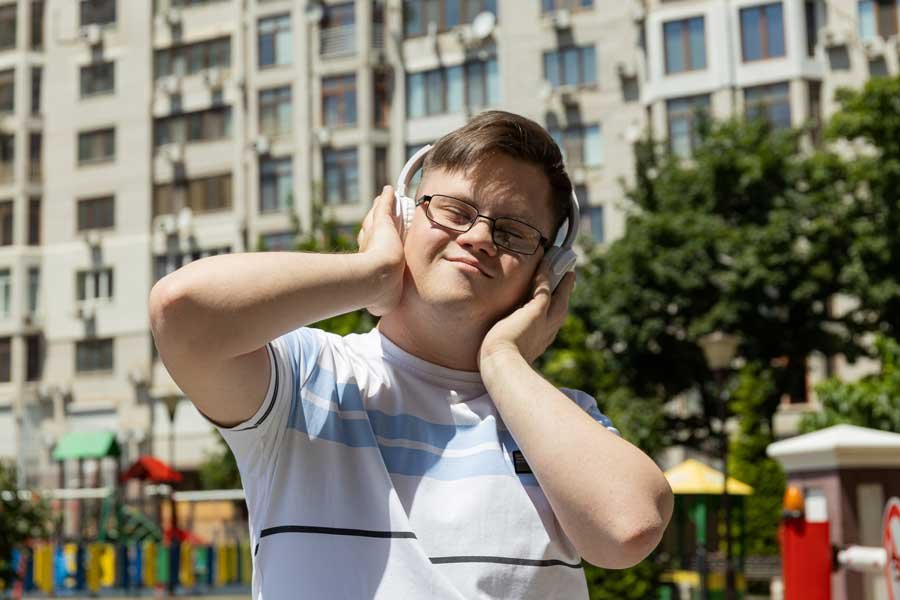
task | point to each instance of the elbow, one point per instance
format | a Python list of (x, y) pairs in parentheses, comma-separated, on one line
[(164, 299), (636, 539)]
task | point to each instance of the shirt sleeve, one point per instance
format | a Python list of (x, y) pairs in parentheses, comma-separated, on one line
[(255, 441), (589, 405)]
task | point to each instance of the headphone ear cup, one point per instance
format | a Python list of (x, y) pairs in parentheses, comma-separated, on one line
[(562, 260)]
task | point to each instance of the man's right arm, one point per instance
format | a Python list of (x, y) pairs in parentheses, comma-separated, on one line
[(212, 318)]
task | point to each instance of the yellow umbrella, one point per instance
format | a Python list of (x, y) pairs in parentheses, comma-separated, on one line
[(694, 477)]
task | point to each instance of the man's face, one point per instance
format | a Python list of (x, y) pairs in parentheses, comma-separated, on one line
[(437, 274)]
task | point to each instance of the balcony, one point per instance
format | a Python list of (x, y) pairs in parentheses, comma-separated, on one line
[(337, 41)]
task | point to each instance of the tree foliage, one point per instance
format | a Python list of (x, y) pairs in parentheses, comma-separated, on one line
[(21, 520), (873, 401)]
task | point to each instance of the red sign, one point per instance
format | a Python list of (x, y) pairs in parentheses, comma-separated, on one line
[(892, 547)]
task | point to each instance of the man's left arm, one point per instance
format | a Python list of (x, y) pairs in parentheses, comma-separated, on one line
[(610, 498)]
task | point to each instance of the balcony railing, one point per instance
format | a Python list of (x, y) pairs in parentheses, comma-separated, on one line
[(338, 41)]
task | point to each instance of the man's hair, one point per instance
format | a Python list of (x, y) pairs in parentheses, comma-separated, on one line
[(496, 131)]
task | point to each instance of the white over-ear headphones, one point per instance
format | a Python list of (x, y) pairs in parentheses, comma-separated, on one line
[(562, 258)]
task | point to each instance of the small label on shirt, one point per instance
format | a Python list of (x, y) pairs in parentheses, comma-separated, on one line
[(520, 463)]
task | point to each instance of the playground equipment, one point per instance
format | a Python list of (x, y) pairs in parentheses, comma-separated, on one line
[(698, 491)]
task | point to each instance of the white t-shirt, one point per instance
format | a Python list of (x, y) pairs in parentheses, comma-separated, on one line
[(371, 473)]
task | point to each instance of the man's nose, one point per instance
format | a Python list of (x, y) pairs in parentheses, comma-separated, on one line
[(480, 236)]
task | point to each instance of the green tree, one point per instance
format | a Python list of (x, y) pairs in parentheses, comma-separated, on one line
[(747, 237), (873, 401), (868, 123), (21, 520)]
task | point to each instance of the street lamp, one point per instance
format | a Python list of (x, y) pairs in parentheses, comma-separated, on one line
[(719, 350)]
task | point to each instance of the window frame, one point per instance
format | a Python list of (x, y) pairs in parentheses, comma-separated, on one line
[(763, 32), (685, 34)]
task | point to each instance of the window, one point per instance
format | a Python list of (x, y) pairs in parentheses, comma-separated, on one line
[(448, 90), (445, 14), (592, 223), (341, 176), (814, 109), (338, 33), (279, 242), (274, 35), (37, 76), (164, 264), (8, 26), (685, 45), (684, 116), (571, 66), (96, 146), (37, 24), (190, 3), (94, 355), (34, 289), (762, 32), (35, 152), (6, 222), (98, 78), (96, 213), (5, 293), (382, 103), (339, 101), (878, 18), (201, 126), (382, 177), (769, 102), (34, 221), (201, 195), (94, 284), (580, 144), (5, 359), (192, 58), (98, 12), (7, 90), (7, 156), (552, 5), (34, 359), (275, 117), (810, 9), (276, 185)]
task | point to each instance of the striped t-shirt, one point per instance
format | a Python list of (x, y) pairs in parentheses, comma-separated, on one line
[(371, 473)]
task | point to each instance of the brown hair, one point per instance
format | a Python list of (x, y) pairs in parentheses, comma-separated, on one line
[(497, 131)]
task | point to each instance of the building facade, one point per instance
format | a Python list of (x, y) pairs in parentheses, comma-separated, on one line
[(138, 136)]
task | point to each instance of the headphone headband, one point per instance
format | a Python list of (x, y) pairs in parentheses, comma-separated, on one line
[(416, 161)]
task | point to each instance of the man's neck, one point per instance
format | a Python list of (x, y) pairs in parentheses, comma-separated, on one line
[(439, 339)]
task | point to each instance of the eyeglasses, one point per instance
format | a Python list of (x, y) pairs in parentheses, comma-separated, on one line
[(459, 215)]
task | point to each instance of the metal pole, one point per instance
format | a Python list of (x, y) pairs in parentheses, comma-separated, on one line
[(726, 502)]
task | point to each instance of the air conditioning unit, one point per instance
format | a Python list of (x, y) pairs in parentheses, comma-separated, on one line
[(214, 76), (561, 19), (92, 237), (175, 153), (262, 145), (323, 135), (627, 69), (873, 48), (92, 34), (834, 38), (173, 17), (464, 35), (85, 311), (168, 224)]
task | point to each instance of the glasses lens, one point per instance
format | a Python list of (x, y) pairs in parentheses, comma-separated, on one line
[(450, 212), (516, 236)]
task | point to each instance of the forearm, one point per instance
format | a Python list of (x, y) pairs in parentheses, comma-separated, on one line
[(235, 303), (609, 497)]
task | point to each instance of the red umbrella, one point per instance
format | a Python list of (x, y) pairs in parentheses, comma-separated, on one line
[(149, 468)]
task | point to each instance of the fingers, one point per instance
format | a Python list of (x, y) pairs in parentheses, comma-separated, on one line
[(559, 304)]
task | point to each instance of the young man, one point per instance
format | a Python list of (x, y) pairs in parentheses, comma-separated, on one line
[(426, 458)]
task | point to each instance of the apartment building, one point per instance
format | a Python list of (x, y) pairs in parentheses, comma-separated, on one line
[(150, 134)]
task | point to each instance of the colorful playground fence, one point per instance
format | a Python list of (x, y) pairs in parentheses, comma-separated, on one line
[(92, 567)]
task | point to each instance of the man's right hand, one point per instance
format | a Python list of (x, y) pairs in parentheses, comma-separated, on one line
[(381, 239)]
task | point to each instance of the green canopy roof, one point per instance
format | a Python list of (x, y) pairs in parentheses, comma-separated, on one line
[(86, 444)]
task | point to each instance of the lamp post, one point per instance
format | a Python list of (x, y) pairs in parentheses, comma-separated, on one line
[(719, 350)]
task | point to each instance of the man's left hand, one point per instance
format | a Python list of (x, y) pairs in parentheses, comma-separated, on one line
[(531, 328)]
